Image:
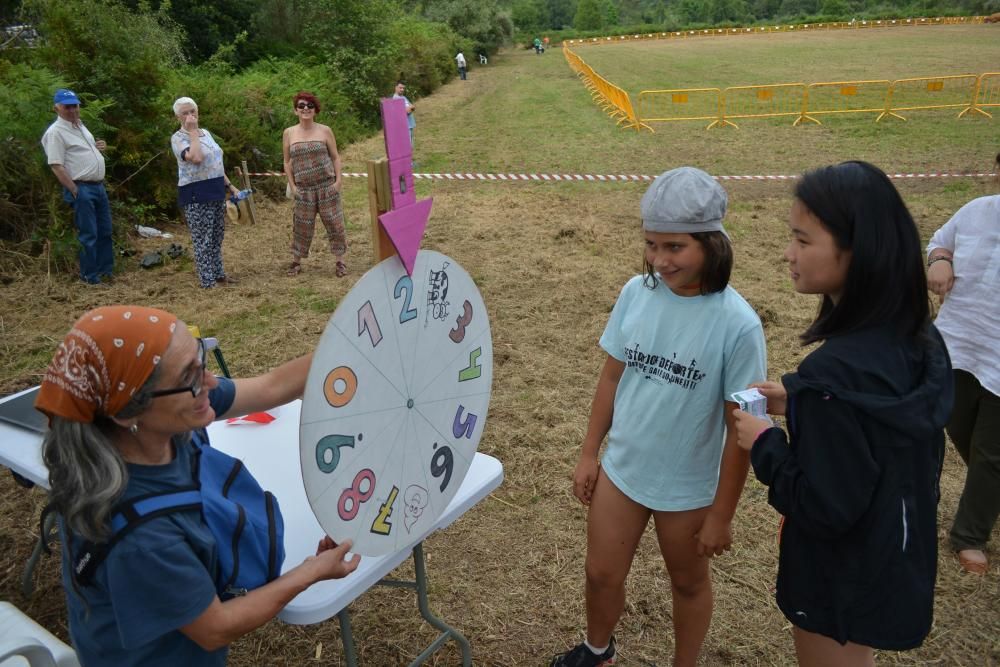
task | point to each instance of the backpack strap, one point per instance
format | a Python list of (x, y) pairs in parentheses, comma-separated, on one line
[(127, 517)]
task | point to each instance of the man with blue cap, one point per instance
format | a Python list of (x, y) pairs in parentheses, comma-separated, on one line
[(76, 160)]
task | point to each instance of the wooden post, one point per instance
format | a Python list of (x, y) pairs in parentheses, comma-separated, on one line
[(379, 201), (245, 174)]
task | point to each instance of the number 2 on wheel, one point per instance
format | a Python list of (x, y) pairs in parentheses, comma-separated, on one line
[(405, 284)]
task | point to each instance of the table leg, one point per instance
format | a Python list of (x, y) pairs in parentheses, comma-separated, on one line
[(447, 632), (422, 603), (347, 638)]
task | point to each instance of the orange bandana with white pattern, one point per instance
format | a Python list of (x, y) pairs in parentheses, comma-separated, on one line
[(105, 358)]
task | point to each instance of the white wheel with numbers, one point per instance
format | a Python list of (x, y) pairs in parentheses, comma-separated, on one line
[(396, 402)]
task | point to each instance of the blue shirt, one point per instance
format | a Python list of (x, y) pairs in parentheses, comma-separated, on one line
[(683, 358), (411, 122), (158, 578)]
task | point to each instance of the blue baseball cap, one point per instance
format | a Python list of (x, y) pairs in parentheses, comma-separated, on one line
[(65, 96)]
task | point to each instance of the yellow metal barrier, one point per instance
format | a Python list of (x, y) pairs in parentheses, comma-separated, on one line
[(940, 92), (681, 104), (780, 99), (987, 94), (838, 97), (841, 25), (969, 92), (612, 99)]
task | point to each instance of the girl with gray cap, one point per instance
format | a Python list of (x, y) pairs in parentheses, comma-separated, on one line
[(679, 342)]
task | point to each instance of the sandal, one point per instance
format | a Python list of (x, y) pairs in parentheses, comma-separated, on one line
[(341, 269), (294, 269)]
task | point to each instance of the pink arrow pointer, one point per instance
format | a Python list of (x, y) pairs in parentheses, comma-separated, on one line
[(405, 224), (405, 228)]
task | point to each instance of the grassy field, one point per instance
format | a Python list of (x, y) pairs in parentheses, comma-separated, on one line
[(549, 259), (797, 57)]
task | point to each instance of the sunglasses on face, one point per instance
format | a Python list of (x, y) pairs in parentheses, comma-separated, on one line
[(197, 382), (305, 105)]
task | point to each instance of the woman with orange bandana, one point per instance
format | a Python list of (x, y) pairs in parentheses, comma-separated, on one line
[(128, 396)]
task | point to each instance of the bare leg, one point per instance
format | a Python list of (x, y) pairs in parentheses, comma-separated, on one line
[(815, 650), (690, 581), (614, 526)]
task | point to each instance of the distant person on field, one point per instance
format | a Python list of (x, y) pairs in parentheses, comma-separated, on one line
[(545, 43), (460, 61), (963, 260), (76, 160), (202, 186), (857, 474), (679, 342), (312, 166), (538, 46), (411, 121)]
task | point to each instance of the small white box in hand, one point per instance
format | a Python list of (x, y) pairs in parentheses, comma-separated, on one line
[(752, 402)]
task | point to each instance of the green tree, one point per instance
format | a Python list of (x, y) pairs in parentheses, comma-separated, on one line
[(589, 15), (105, 50), (484, 22), (561, 13), (426, 57), (835, 8), (208, 25), (352, 37), (529, 15), (610, 11)]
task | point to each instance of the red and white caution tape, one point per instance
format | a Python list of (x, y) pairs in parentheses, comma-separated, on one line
[(599, 178)]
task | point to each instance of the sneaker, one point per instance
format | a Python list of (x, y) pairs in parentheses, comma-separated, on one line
[(581, 656)]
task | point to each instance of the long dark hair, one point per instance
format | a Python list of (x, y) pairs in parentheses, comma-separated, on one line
[(885, 284)]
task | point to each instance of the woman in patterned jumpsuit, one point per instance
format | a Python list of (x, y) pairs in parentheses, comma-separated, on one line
[(312, 165)]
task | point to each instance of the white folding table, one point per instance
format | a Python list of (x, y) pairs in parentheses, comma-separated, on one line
[(271, 453)]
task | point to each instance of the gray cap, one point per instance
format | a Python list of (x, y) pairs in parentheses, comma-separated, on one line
[(684, 200)]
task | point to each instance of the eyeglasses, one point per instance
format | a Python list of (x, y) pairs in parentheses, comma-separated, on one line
[(305, 105), (199, 379)]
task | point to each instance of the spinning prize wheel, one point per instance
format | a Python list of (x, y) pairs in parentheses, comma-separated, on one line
[(395, 402)]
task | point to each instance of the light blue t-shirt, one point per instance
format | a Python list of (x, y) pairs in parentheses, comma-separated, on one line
[(158, 578), (683, 358)]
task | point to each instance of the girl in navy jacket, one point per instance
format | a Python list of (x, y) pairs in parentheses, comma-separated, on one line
[(857, 475)]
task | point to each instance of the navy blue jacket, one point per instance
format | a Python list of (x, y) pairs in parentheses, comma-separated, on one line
[(858, 485)]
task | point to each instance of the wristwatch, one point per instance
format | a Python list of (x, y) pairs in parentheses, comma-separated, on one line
[(938, 259)]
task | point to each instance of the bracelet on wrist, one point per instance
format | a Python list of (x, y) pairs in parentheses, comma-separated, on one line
[(939, 259)]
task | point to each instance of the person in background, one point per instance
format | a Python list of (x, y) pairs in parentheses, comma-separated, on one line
[(313, 168), (128, 397), (857, 476), (963, 269), (460, 61), (411, 121), (202, 186), (76, 159)]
